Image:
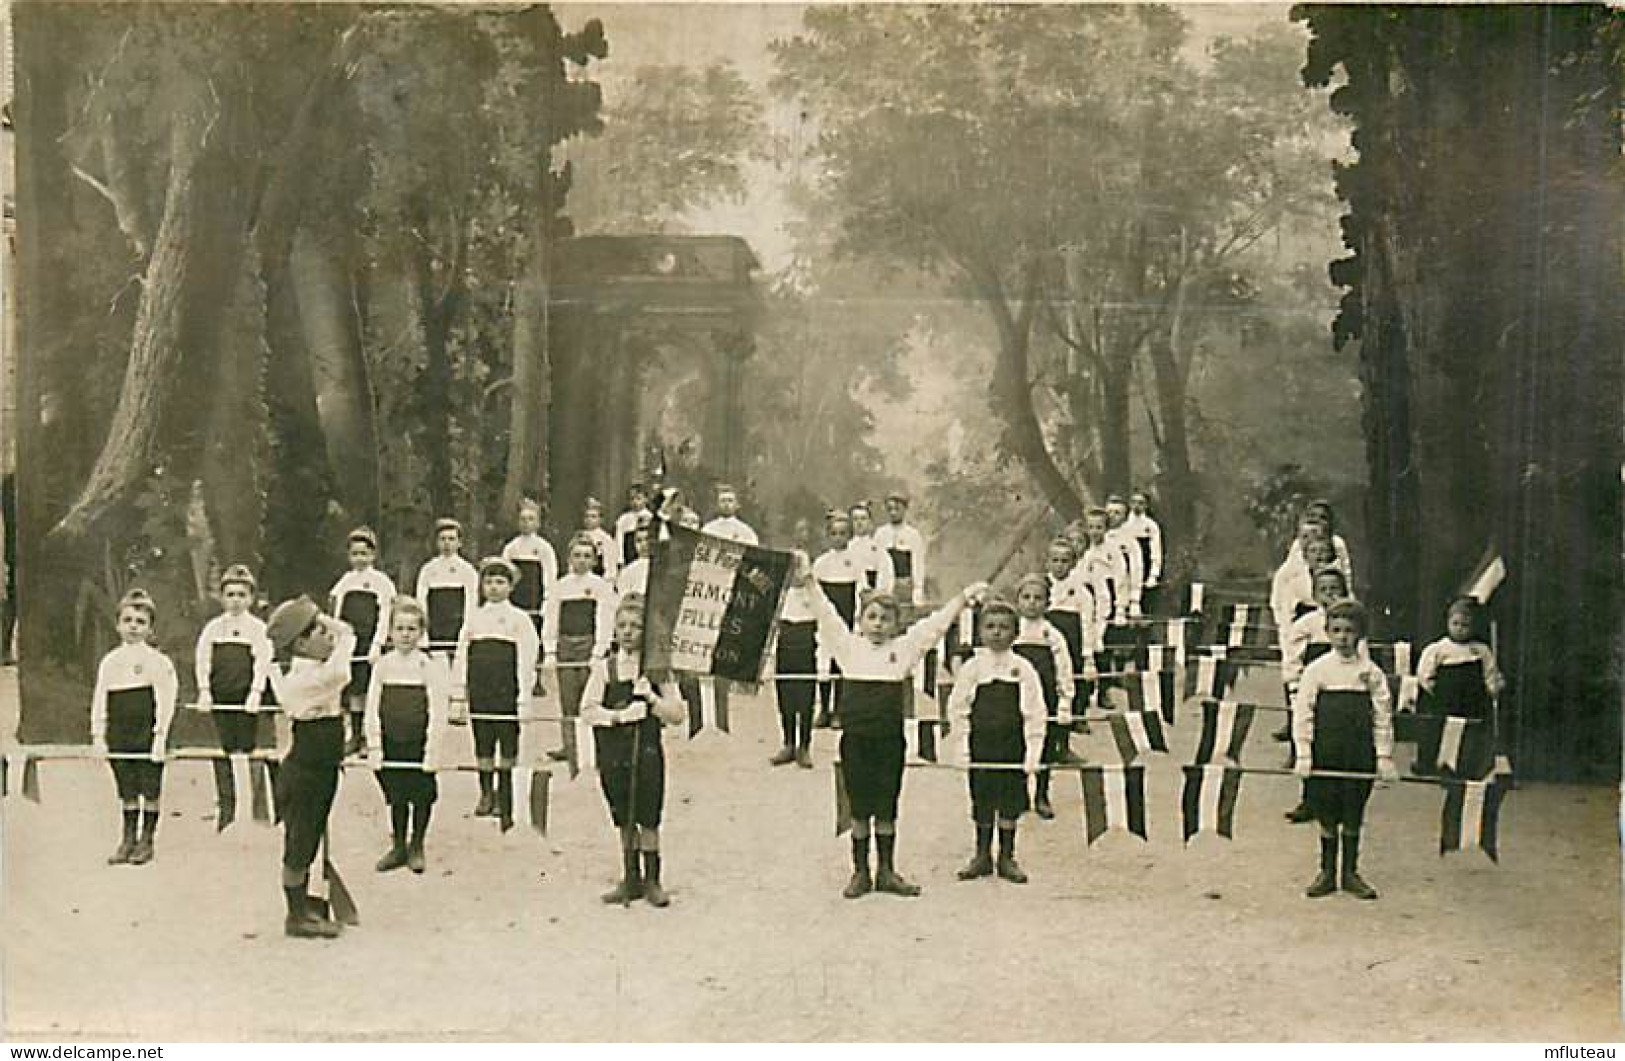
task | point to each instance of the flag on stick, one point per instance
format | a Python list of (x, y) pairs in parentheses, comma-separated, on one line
[(712, 605), (922, 733), (1486, 577), (1209, 800), (1472, 810), (1196, 599), (1113, 798), (1137, 733), (1152, 691), (843, 805), (258, 798), (1212, 676), (31, 779), (540, 783), (1225, 725), (713, 712)]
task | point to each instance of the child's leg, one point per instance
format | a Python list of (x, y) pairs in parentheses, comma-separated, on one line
[(422, 809), (508, 754), (862, 882), (1008, 868), (130, 808), (649, 844), (485, 744), (1353, 815), (981, 813), (150, 780)]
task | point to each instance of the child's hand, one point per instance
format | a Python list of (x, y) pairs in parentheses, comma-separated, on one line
[(1091, 672), (1498, 685), (205, 702), (800, 569), (1301, 767), (157, 753), (1386, 771), (976, 592), (1030, 766), (1133, 611), (375, 760)]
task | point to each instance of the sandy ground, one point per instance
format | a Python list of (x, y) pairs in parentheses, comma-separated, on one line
[(505, 938)]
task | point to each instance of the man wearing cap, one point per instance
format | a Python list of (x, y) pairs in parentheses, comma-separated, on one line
[(494, 674), (311, 695), (906, 547)]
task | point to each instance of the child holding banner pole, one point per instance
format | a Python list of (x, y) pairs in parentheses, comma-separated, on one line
[(875, 665)]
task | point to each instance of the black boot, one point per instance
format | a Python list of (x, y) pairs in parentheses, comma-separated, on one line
[(981, 863), (505, 799), (225, 789), (861, 883), (652, 891), (395, 857), (784, 756), (1041, 804), (1351, 869), (141, 853), (420, 829), (302, 923), (487, 804), (631, 886), (1009, 869), (887, 879), (1325, 881), (132, 818)]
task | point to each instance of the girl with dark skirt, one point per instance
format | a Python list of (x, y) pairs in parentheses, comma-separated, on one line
[(627, 711), (406, 716), (875, 666), (1342, 722)]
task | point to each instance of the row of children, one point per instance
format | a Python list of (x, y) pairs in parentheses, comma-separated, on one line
[(1341, 708)]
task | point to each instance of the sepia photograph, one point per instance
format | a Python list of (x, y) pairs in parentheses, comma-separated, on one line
[(811, 522)]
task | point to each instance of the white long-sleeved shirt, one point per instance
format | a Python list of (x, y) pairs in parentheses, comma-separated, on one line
[(905, 538), (1144, 528), (371, 581), (227, 629), (731, 528), (626, 529), (875, 563), (1294, 554), (449, 572), (609, 550), (313, 689), (889, 661), (667, 701), (497, 621), (537, 549), (841, 567), (580, 587), (1105, 571), (1445, 652), (1041, 631), (1333, 673), (137, 666), (1073, 594), (417, 669), (1126, 543), (1291, 586), (633, 578), (986, 667)]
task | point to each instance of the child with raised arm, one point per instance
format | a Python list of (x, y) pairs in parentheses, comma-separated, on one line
[(361, 598), (627, 711), (876, 663), (131, 709), (494, 673), (408, 706), (233, 662), (1341, 721), (998, 703), (1458, 678), (1045, 649), (533, 557)]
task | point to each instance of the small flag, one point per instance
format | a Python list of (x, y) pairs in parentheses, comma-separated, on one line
[(580, 748), (1153, 691), (1402, 657), (1225, 724), (1472, 810), (1196, 598), (31, 779), (1450, 741), (923, 734), (843, 805), (1137, 733), (540, 783), (259, 799), (334, 900), (1113, 798), (1209, 800), (1486, 577), (1503, 765), (1238, 626), (5, 776), (713, 712), (1410, 690)]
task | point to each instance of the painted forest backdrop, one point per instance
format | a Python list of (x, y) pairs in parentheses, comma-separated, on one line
[(286, 268)]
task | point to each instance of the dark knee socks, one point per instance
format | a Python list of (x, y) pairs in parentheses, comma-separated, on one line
[(399, 814)]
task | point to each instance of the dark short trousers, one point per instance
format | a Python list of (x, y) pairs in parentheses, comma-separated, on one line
[(615, 745), (138, 778), (494, 738), (306, 784), (872, 768)]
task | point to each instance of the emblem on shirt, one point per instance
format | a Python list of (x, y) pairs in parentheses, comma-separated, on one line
[(137, 669), (1014, 673), (891, 657)]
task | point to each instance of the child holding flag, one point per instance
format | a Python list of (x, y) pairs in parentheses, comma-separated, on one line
[(131, 709), (875, 666), (1341, 721), (998, 700), (627, 712)]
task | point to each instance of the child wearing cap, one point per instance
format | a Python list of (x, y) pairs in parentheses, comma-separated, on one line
[(875, 666), (905, 545), (311, 694), (408, 703), (998, 703), (361, 598), (578, 628), (233, 662), (627, 711), (131, 709), (607, 558), (1341, 721), (448, 588), (533, 557), (494, 674), (1045, 649)]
